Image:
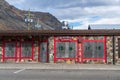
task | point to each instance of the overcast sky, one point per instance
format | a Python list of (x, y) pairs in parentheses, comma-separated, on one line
[(79, 13)]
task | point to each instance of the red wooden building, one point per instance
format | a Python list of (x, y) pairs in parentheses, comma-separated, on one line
[(61, 46)]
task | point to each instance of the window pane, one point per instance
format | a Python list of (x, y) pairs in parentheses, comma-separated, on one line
[(9, 49), (26, 49)]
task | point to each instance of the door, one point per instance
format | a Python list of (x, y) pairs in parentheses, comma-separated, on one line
[(43, 57)]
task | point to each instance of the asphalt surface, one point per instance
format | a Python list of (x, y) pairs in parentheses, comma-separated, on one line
[(37, 74)]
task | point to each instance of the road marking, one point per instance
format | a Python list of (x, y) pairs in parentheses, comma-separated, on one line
[(19, 71)]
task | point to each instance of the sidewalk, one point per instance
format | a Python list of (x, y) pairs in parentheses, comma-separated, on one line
[(52, 66)]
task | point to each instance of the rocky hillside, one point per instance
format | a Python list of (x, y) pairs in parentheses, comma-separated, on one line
[(12, 18)]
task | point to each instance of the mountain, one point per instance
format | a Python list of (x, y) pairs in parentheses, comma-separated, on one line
[(12, 18)]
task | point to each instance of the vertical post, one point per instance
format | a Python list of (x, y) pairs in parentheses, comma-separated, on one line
[(82, 50), (20, 49), (105, 54), (47, 50), (3, 50), (54, 49), (16, 49), (113, 50), (38, 48), (32, 48), (77, 49), (29, 19)]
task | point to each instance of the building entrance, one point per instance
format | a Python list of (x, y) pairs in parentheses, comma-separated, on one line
[(43, 55)]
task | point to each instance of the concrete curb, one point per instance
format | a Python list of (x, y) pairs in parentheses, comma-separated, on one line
[(60, 66), (2, 68), (61, 69)]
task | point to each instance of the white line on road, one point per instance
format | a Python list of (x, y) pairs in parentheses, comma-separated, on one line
[(19, 70)]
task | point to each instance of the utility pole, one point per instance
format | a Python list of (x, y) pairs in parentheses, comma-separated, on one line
[(28, 20)]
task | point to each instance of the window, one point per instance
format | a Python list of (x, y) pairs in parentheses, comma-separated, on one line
[(26, 49), (66, 50), (93, 49), (10, 49)]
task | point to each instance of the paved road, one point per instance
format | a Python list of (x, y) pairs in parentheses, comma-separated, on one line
[(23, 74)]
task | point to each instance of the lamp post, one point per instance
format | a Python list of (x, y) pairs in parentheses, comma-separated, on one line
[(28, 20)]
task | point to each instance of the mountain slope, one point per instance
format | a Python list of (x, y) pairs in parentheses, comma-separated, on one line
[(12, 18)]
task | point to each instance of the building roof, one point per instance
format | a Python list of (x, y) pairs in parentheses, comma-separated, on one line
[(60, 32), (105, 26)]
